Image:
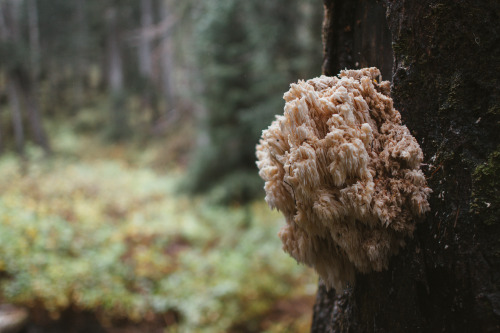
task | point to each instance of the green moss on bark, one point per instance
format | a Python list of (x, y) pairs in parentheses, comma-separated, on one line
[(486, 193)]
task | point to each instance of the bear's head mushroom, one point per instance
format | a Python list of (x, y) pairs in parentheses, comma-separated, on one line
[(345, 173)]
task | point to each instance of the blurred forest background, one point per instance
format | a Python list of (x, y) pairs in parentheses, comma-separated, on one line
[(129, 196)]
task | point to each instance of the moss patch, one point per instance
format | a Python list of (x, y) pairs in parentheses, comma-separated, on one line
[(486, 193)]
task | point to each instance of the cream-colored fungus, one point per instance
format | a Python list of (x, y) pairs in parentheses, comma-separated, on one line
[(345, 173)]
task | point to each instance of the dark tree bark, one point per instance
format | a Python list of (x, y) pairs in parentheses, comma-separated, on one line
[(446, 86), (356, 35)]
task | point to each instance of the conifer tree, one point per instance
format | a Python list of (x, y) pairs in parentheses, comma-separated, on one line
[(248, 53)]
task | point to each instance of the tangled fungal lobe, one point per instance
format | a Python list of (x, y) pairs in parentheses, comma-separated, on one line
[(345, 173)]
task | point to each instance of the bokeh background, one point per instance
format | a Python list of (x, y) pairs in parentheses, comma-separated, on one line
[(129, 196)]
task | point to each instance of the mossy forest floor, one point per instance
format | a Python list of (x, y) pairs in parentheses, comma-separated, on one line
[(96, 231)]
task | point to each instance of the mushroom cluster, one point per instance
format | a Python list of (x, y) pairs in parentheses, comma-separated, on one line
[(345, 173)]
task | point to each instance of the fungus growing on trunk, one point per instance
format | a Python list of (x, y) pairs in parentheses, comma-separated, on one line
[(345, 173)]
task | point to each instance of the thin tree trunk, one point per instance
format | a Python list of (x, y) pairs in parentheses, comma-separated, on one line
[(10, 32), (13, 92), (34, 38), (115, 61), (145, 59), (82, 48), (167, 55), (119, 116), (3, 37), (446, 86), (30, 89), (13, 11), (35, 120)]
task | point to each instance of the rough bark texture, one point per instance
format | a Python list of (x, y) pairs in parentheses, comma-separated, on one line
[(446, 86), (351, 40)]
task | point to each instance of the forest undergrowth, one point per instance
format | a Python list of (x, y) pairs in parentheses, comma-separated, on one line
[(98, 228)]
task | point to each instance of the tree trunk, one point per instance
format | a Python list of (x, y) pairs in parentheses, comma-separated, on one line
[(119, 118), (446, 86), (17, 118), (82, 47), (356, 35), (149, 99), (167, 54), (30, 88), (35, 118), (22, 78), (115, 61), (9, 32), (34, 37), (145, 59)]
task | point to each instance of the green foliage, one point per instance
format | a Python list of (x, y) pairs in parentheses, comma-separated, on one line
[(248, 53), (106, 237)]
